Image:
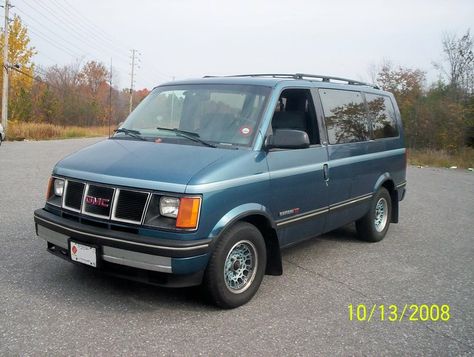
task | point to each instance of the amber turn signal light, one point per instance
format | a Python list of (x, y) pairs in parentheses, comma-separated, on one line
[(49, 189), (188, 214)]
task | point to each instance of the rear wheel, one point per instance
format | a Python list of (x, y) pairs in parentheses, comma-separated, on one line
[(374, 225), (236, 267)]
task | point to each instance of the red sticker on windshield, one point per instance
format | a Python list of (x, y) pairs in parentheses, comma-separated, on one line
[(246, 131)]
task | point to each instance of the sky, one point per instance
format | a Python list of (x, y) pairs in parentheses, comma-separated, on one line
[(189, 38)]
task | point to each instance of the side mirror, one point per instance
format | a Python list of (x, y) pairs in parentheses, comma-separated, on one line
[(287, 139)]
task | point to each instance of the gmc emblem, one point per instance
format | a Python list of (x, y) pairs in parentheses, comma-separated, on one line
[(97, 201)]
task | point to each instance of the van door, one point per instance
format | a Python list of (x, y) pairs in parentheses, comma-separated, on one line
[(297, 181), (347, 129)]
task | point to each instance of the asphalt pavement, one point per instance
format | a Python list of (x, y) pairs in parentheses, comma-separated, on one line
[(51, 307)]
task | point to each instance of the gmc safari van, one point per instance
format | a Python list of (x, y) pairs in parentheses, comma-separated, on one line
[(208, 179)]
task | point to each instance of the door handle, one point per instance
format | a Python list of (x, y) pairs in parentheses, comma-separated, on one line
[(326, 173)]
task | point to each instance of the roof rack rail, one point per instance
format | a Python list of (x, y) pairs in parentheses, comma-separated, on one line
[(331, 78), (274, 75), (322, 78)]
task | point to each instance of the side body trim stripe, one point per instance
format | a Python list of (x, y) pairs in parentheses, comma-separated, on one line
[(324, 209)]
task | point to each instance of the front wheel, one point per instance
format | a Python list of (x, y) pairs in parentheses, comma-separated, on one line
[(374, 225), (236, 267)]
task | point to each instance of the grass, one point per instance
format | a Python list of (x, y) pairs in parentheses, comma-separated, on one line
[(43, 131), (462, 158)]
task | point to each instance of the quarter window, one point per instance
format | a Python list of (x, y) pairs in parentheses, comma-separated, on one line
[(345, 116), (382, 113)]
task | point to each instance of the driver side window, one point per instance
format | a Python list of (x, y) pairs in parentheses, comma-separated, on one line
[(295, 110)]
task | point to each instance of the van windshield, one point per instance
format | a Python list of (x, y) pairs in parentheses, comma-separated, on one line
[(217, 114)]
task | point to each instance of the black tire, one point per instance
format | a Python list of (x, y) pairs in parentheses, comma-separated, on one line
[(239, 243), (368, 228)]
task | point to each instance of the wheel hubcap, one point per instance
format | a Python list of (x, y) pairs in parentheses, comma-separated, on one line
[(381, 214), (240, 266)]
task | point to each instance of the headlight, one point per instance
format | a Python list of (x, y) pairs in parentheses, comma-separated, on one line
[(173, 212), (169, 206), (58, 187)]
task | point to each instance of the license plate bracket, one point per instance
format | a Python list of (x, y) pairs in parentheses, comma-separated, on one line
[(83, 253)]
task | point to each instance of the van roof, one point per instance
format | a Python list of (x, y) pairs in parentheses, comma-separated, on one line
[(272, 79)]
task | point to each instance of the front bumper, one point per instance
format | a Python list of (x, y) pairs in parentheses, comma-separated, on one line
[(158, 261)]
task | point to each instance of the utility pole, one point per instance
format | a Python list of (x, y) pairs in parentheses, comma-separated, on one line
[(110, 95), (172, 107), (132, 81), (5, 69)]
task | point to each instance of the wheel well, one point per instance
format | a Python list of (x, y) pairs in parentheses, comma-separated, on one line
[(390, 186), (274, 266)]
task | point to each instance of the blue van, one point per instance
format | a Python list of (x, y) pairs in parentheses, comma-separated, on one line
[(208, 179)]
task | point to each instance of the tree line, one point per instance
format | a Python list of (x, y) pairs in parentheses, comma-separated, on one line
[(438, 115), (79, 94)]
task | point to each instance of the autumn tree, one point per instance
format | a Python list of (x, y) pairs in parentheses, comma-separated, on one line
[(93, 81), (63, 84), (20, 53), (459, 60), (92, 75), (458, 68), (407, 86)]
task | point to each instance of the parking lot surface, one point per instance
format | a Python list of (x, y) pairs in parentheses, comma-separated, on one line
[(51, 307)]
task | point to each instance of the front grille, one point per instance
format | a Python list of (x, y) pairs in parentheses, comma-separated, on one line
[(130, 205), (105, 202), (73, 195), (98, 200)]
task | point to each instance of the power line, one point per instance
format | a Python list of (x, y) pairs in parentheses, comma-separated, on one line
[(54, 44), (59, 44), (65, 44), (99, 31), (58, 22), (91, 38), (73, 33), (99, 38), (104, 35), (52, 60), (49, 39)]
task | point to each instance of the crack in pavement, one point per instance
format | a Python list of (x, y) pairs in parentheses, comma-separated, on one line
[(327, 278)]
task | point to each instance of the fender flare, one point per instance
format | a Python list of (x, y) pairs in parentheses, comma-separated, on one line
[(381, 180), (274, 261), (236, 214), (385, 177)]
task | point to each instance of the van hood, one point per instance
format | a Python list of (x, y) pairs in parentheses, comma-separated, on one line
[(141, 164)]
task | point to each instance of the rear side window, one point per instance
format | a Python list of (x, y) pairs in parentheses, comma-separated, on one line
[(345, 116), (382, 114)]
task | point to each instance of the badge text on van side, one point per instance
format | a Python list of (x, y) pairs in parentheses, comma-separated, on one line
[(289, 211)]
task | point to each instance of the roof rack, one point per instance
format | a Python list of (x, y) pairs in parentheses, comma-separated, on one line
[(303, 76)]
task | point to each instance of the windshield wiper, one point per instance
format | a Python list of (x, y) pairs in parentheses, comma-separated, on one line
[(188, 135), (130, 132)]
